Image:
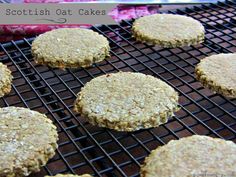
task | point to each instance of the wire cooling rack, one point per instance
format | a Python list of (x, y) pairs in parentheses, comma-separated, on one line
[(84, 148)]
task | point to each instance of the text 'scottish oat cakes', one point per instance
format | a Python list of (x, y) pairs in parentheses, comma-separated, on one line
[(192, 156), (70, 47), (70, 175), (168, 30), (27, 141), (127, 101), (218, 73), (5, 80)]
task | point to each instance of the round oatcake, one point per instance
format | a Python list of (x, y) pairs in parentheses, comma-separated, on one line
[(218, 73), (27, 140), (127, 101), (70, 175), (5, 80), (191, 157), (70, 48), (168, 30)]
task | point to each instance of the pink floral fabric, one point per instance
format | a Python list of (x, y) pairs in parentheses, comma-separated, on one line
[(121, 12)]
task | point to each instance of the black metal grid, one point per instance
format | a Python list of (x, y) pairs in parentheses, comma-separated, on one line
[(88, 149)]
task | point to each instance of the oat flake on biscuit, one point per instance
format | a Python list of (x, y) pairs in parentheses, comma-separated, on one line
[(27, 141), (192, 156), (168, 30), (5, 80), (218, 73), (127, 101), (70, 48)]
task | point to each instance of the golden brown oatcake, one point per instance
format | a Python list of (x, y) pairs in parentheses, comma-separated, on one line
[(218, 73), (70, 175), (70, 48), (168, 30), (5, 80), (27, 140), (127, 101), (192, 156)]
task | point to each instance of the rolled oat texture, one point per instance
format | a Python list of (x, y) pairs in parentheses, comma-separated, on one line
[(5, 80), (127, 101), (218, 73), (27, 141), (168, 30), (192, 156), (70, 48)]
